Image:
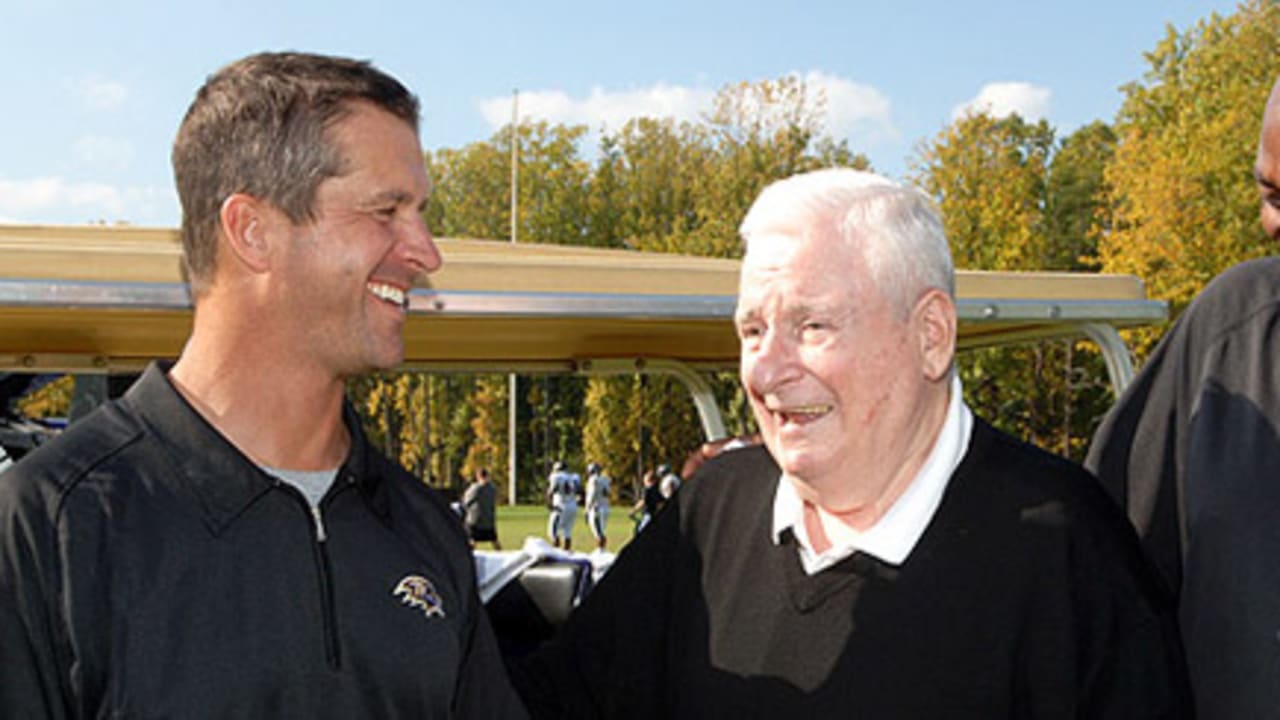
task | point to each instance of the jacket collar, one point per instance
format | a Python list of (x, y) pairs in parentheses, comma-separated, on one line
[(221, 478)]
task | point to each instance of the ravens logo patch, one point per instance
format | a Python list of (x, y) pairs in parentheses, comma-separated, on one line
[(417, 591)]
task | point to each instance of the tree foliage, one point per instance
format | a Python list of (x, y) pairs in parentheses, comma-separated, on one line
[(988, 176), (1013, 198), (1181, 200), (1163, 192)]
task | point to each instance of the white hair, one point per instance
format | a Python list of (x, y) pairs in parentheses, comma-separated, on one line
[(895, 227)]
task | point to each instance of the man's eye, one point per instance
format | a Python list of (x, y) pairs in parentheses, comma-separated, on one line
[(385, 213)]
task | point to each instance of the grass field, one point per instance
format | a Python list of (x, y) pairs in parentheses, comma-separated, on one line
[(516, 522)]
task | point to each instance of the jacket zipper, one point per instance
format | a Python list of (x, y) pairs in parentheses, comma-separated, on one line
[(332, 650), (315, 513)]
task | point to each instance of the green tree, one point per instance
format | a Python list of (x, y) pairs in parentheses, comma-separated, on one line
[(1012, 199), (1074, 203), (646, 183), (1179, 192), (472, 187), (610, 429), (988, 176), (488, 446), (761, 132), (1075, 214), (471, 192)]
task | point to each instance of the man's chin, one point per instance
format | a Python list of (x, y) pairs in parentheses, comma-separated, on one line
[(800, 465), (376, 362)]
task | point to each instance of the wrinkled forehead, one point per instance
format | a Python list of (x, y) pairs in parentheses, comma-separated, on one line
[(773, 255), (798, 252), (789, 268)]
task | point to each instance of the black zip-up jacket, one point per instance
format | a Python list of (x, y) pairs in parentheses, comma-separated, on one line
[(149, 569)]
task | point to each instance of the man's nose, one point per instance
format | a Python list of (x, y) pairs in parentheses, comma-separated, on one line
[(420, 249), (772, 361)]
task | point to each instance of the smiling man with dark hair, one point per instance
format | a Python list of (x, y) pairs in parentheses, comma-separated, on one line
[(223, 541)]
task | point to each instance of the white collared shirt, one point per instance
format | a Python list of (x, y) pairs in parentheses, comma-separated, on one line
[(894, 535)]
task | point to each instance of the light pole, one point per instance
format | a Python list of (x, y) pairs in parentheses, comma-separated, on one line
[(512, 382)]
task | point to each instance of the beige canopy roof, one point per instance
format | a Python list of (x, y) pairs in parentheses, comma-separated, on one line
[(81, 298)]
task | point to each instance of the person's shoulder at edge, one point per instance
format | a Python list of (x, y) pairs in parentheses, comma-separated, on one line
[(1238, 293), (1244, 298), (59, 464)]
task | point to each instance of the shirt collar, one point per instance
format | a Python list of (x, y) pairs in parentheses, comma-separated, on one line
[(895, 534), (223, 480)]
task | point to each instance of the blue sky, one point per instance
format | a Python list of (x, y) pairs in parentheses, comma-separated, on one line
[(94, 91)]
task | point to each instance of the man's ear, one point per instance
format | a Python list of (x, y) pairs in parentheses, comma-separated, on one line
[(935, 321), (246, 222)]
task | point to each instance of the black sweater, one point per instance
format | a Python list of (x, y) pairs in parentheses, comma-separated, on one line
[(1027, 596)]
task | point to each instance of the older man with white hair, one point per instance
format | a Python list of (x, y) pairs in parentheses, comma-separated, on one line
[(885, 554)]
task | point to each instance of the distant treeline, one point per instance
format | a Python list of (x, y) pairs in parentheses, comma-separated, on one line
[(1164, 191)]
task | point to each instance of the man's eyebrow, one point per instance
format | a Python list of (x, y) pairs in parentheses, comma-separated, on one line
[(395, 197), (389, 195)]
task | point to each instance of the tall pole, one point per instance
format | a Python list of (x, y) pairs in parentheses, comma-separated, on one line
[(512, 383)]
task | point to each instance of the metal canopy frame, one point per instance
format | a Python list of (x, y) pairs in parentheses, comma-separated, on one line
[(101, 299)]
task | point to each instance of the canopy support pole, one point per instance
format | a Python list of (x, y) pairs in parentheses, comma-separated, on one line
[(699, 389), (1114, 352)]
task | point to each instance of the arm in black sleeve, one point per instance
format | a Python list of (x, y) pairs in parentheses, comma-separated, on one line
[(1137, 450), (31, 683)]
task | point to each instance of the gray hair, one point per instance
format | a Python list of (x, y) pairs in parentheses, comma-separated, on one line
[(895, 227)]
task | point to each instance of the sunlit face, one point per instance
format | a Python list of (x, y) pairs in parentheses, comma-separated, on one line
[(1267, 169), (834, 375), (346, 274)]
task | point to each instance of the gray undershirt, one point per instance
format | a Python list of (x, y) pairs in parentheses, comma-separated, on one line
[(313, 483)]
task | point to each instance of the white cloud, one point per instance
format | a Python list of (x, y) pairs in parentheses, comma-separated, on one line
[(601, 108), (1001, 99), (99, 93), (855, 111), (108, 153), (56, 200)]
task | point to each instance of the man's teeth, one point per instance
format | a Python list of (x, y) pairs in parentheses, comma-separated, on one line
[(389, 293), (810, 410)]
